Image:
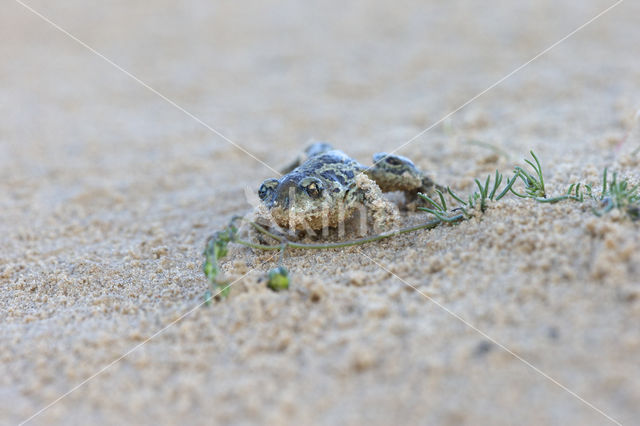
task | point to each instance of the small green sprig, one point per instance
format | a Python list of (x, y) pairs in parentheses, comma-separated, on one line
[(278, 279), (486, 192), (615, 194), (618, 195), (535, 188), (483, 194), (534, 183), (438, 208), (215, 249)]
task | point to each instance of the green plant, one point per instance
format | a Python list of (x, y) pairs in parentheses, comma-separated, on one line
[(278, 279), (534, 183), (618, 195), (216, 247), (476, 199)]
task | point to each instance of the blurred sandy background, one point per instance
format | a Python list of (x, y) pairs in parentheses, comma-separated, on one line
[(107, 194)]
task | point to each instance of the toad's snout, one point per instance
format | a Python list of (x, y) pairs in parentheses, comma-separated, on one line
[(284, 195), (277, 203)]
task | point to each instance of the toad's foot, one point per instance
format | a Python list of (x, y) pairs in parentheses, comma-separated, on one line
[(262, 216), (382, 211)]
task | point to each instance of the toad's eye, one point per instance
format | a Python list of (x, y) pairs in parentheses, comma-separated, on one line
[(267, 188), (263, 192), (312, 186), (313, 190), (393, 160)]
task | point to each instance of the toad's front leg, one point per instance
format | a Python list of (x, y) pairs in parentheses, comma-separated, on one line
[(383, 212)]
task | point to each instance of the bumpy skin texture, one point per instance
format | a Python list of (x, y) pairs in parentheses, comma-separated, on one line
[(397, 173), (321, 191)]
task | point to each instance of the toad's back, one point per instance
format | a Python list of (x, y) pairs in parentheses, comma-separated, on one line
[(336, 169)]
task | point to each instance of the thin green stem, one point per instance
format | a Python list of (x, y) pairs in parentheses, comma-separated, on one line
[(439, 215), (496, 183), (431, 201), (266, 232), (458, 199), (556, 199), (257, 246), (504, 192), (427, 225), (444, 203), (517, 194), (283, 247), (479, 185), (538, 170)]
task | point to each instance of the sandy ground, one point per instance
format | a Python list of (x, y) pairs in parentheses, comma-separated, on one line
[(108, 192)]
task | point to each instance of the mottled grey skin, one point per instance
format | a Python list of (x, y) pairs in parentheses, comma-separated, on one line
[(321, 191)]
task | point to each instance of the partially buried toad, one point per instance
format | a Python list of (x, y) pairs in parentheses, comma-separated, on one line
[(326, 187)]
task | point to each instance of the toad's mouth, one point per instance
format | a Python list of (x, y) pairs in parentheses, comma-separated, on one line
[(304, 211), (304, 214)]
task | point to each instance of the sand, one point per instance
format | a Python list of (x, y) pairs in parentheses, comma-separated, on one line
[(108, 193)]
